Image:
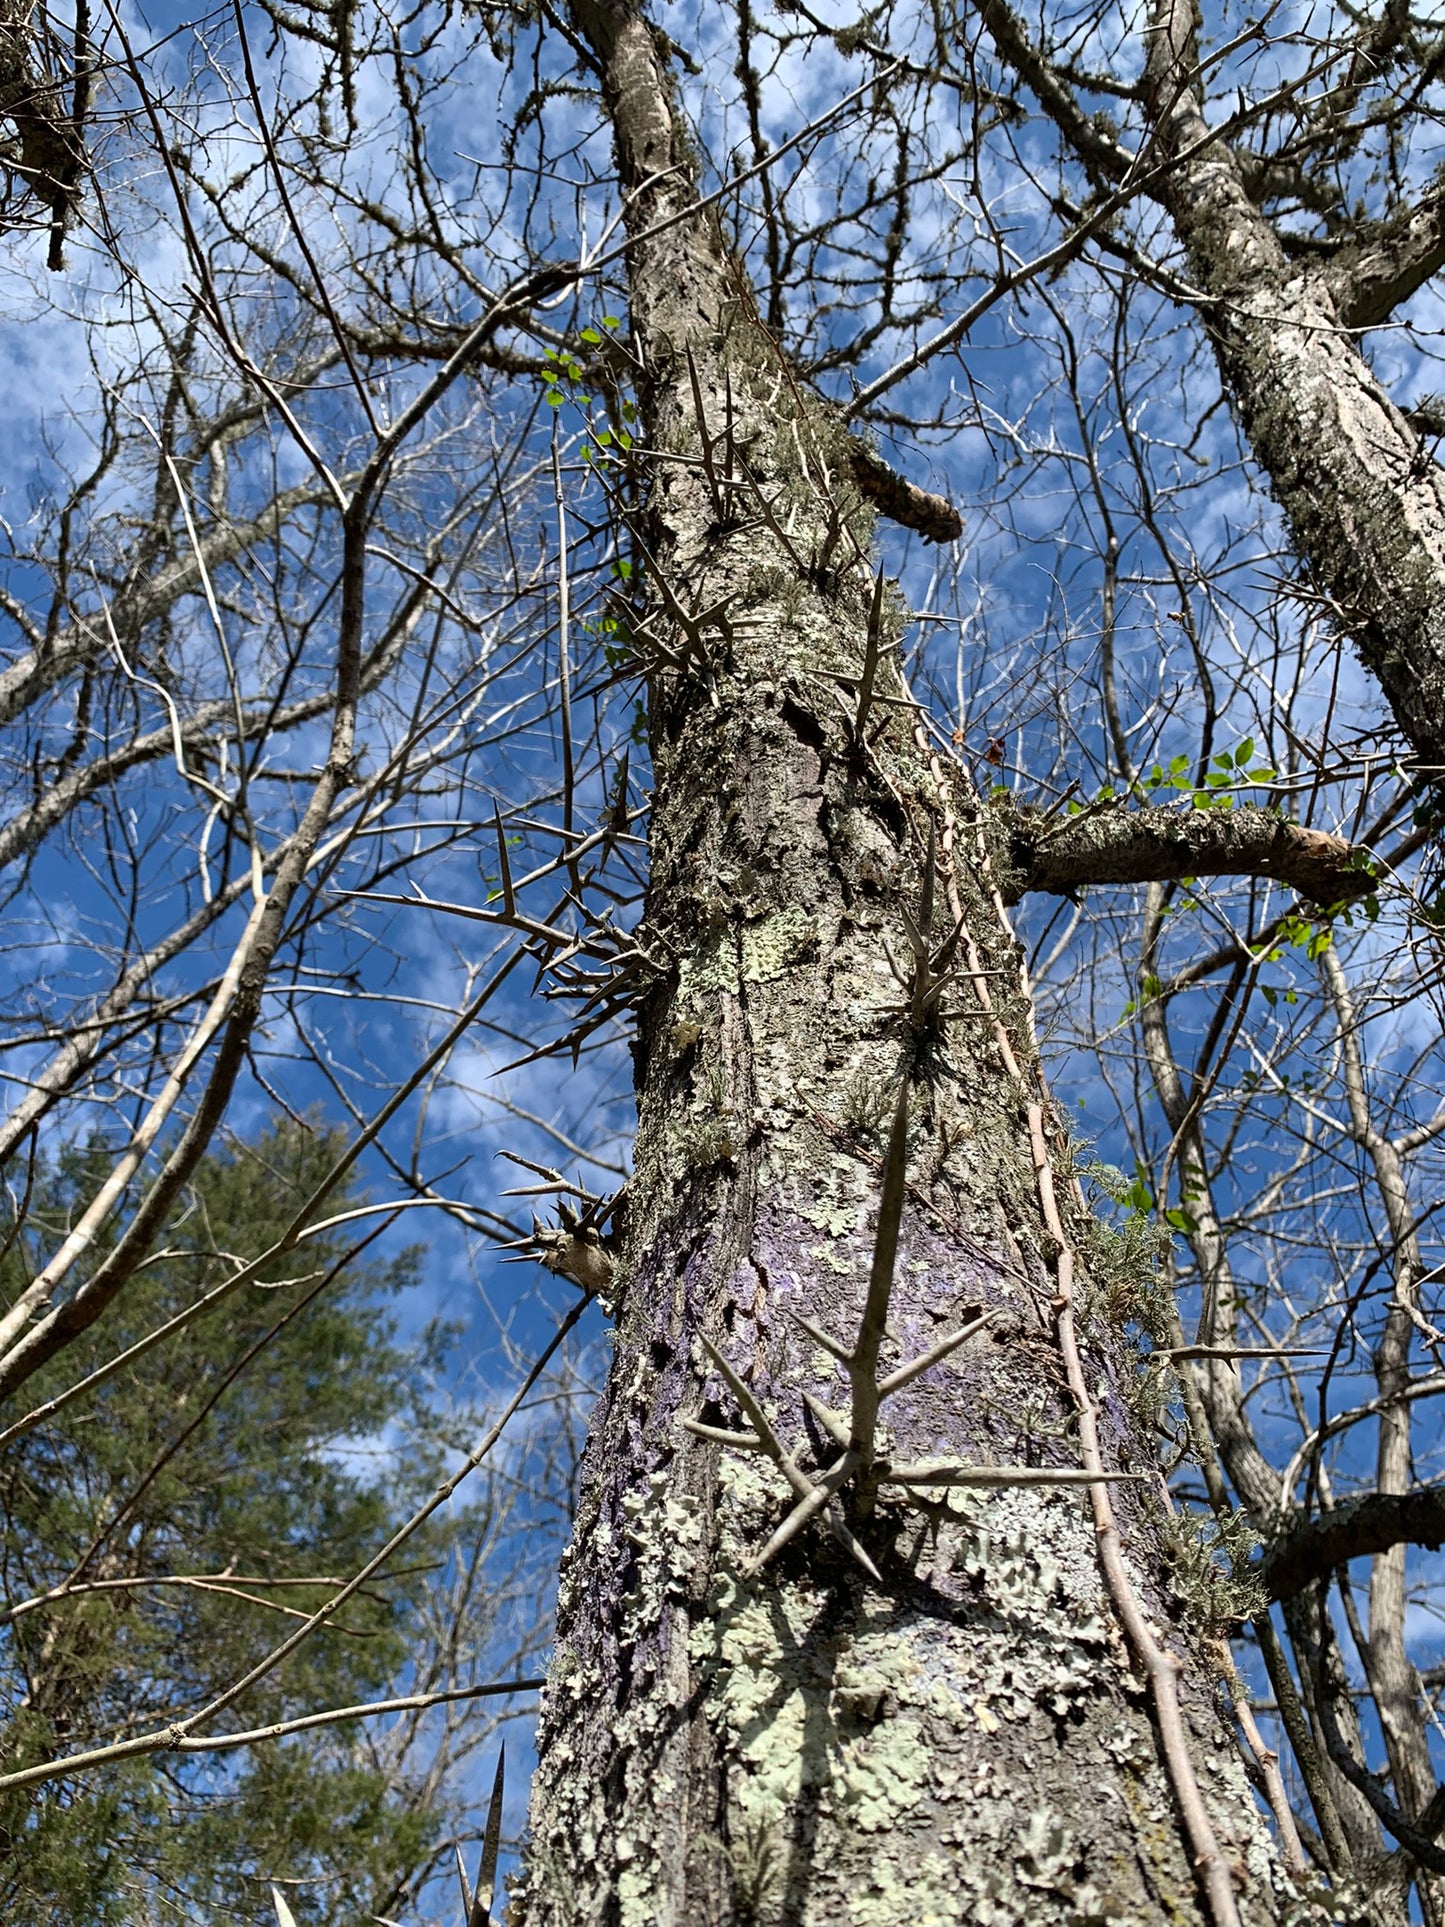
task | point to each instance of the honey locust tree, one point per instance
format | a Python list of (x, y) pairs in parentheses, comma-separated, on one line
[(886, 1612), (828, 1648)]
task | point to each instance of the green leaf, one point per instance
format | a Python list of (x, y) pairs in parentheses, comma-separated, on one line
[(554, 398), (591, 337), (1244, 752)]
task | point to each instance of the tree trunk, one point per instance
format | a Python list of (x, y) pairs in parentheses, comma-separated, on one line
[(1364, 497), (983, 1729)]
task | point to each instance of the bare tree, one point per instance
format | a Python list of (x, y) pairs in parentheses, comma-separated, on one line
[(927, 1489)]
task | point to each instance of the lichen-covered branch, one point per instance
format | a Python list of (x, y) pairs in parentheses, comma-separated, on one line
[(1365, 501), (1120, 844), (1365, 504)]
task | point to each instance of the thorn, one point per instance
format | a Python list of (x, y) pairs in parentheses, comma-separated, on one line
[(717, 1435), (905, 1374), (466, 1884), (870, 660), (807, 1508), (481, 1914), (863, 1365), (840, 1531), (719, 503), (820, 1337), (944, 1472), (925, 906), (509, 895), (768, 1438), (833, 1423)]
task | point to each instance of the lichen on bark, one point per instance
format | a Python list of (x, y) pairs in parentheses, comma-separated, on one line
[(965, 1737)]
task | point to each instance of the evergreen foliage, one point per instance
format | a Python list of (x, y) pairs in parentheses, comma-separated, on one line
[(193, 1506)]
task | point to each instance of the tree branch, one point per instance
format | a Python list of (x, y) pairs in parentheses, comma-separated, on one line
[(1356, 1529), (1373, 276), (934, 518), (1159, 844)]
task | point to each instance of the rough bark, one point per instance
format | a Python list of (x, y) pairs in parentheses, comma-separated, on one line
[(966, 1737), (1363, 495), (1356, 1529), (1364, 498), (1394, 1683), (1155, 845)]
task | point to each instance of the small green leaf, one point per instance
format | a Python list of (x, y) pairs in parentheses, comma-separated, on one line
[(610, 321), (1244, 752), (591, 336), (554, 398)]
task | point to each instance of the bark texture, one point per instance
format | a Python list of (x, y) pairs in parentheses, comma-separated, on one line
[(1152, 845), (1364, 498), (1374, 1522), (966, 1738)]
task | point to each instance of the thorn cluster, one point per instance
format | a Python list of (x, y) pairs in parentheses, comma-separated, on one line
[(477, 1902), (858, 1465), (576, 1247)]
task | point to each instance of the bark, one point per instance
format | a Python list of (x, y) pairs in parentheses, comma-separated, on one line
[(1355, 1529), (1155, 845), (1394, 1683), (1364, 499), (1363, 496), (964, 1735)]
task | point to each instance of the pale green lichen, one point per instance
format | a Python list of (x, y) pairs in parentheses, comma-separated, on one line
[(710, 966), (868, 1725), (773, 945)]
